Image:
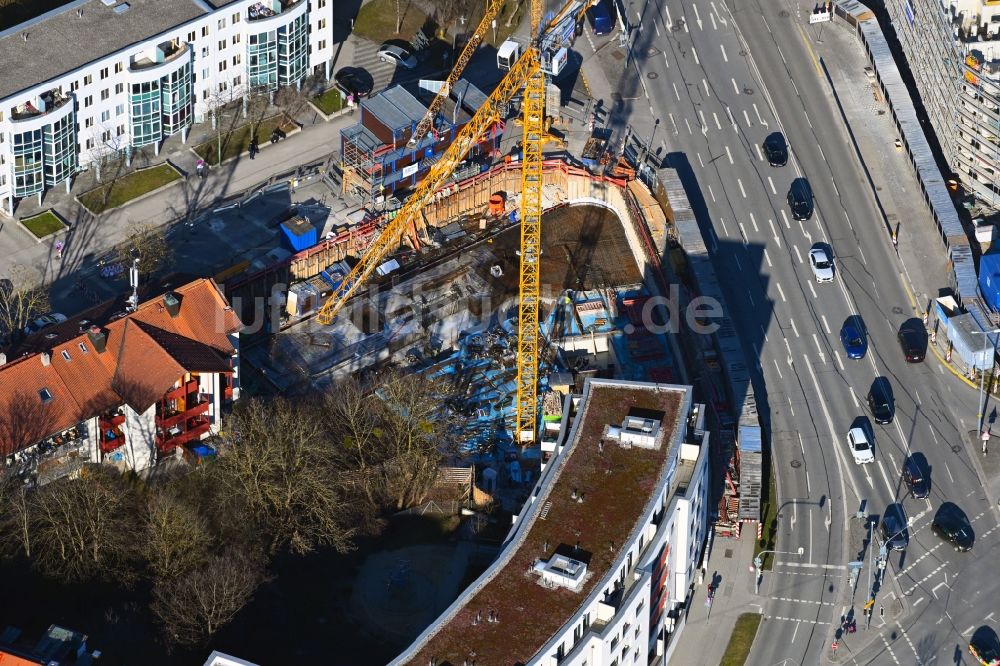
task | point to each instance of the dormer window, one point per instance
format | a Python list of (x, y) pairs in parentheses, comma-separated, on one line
[(84, 349), (65, 355)]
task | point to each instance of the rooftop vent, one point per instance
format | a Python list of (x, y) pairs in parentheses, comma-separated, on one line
[(46, 358), (172, 302), (121, 9), (109, 3), (562, 571), (79, 13), (24, 36), (3, 358), (98, 338), (640, 428)]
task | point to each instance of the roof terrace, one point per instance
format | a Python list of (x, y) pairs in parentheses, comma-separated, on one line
[(47, 102), (269, 9), (599, 494), (158, 55)]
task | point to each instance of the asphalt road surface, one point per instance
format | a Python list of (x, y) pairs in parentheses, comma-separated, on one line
[(720, 82)]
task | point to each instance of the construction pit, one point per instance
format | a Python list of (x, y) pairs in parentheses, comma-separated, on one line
[(453, 315)]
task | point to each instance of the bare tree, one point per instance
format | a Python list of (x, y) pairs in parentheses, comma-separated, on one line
[(83, 528), (293, 99), (150, 242), (24, 421), (15, 525), (279, 461), (176, 538), (108, 159), (23, 297), (193, 607)]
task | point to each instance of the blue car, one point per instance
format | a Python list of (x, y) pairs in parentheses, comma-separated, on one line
[(854, 340)]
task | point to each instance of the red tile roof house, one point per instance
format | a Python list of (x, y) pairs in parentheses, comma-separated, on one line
[(134, 391)]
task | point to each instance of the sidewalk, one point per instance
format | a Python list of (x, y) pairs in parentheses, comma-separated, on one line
[(705, 636)]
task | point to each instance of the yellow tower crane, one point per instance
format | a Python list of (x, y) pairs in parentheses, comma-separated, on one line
[(525, 74)]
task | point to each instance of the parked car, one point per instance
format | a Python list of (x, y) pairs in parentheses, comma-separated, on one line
[(800, 199), (915, 478), (775, 149), (397, 52), (44, 322), (853, 337), (984, 647), (354, 81), (913, 340), (951, 524), (861, 447), (821, 264), (894, 527), (599, 17), (880, 401)]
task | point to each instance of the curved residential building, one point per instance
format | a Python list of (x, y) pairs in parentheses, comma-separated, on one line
[(599, 565), (111, 76)]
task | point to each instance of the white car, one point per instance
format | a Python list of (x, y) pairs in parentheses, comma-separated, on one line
[(44, 322), (862, 449), (397, 54), (821, 263)]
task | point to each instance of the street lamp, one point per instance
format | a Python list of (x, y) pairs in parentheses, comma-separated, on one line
[(982, 379), (758, 563)]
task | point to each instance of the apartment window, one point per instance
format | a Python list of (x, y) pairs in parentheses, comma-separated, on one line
[(204, 52), (88, 100), (89, 144), (204, 31), (321, 25), (614, 642), (223, 66), (237, 59), (191, 36), (119, 67), (236, 18), (87, 80), (237, 81), (106, 136), (223, 86), (3, 179), (119, 109), (637, 632), (106, 93), (119, 88), (74, 86), (638, 608), (119, 130), (89, 122), (1, 120), (204, 73), (222, 45), (222, 24), (322, 44), (105, 116), (104, 73), (204, 95), (635, 655), (320, 4), (237, 39)]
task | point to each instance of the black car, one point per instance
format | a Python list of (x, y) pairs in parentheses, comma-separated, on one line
[(776, 150), (354, 81), (985, 647), (800, 199), (913, 340), (915, 479), (951, 524), (894, 527), (880, 401)]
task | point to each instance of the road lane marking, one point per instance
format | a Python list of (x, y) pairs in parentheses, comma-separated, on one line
[(935, 589), (919, 601), (778, 368), (810, 565), (673, 122), (848, 221), (714, 26), (752, 219), (797, 254), (666, 60), (732, 121), (819, 350), (708, 93), (888, 648), (862, 253), (750, 296), (688, 126), (730, 156), (700, 161), (781, 54), (760, 155), (656, 27), (784, 215), (739, 266), (804, 601), (821, 152), (767, 259), (826, 326), (670, 21), (676, 94), (724, 228), (836, 355), (794, 330), (948, 469), (694, 51), (770, 182), (775, 232), (743, 229), (746, 117), (735, 87), (704, 125), (764, 333), (811, 288), (759, 119), (711, 193), (724, 56), (718, 125), (697, 17), (781, 291), (854, 397), (885, 477), (917, 395)]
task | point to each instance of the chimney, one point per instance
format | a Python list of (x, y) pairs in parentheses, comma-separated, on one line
[(98, 338), (3, 358), (46, 358), (24, 36), (172, 301)]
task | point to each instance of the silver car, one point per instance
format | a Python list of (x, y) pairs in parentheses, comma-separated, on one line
[(821, 264), (397, 55), (44, 322)]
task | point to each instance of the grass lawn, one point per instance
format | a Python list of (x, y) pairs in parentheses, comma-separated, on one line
[(128, 187), (769, 514), (237, 141), (742, 639), (377, 20), (44, 224), (329, 102)]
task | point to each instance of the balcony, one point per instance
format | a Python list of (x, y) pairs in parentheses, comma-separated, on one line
[(180, 434), (161, 54), (110, 420), (111, 439), (194, 407), (268, 9), (182, 391), (42, 105)]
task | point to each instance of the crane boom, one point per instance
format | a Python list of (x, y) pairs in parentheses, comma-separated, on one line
[(492, 9), (486, 115)]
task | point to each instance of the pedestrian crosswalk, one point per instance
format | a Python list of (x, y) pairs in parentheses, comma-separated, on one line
[(366, 57)]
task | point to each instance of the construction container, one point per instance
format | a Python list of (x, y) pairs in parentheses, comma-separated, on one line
[(300, 233), (302, 299), (989, 280), (334, 274)]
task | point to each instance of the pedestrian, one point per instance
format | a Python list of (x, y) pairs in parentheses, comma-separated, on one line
[(59, 249), (201, 168), (253, 148)]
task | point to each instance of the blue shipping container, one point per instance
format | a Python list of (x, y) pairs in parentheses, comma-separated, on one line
[(600, 19), (299, 233), (989, 280)]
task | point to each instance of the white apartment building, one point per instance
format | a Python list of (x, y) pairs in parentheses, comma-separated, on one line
[(600, 564), (100, 76)]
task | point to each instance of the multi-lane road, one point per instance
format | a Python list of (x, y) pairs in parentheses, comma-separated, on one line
[(720, 80)]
